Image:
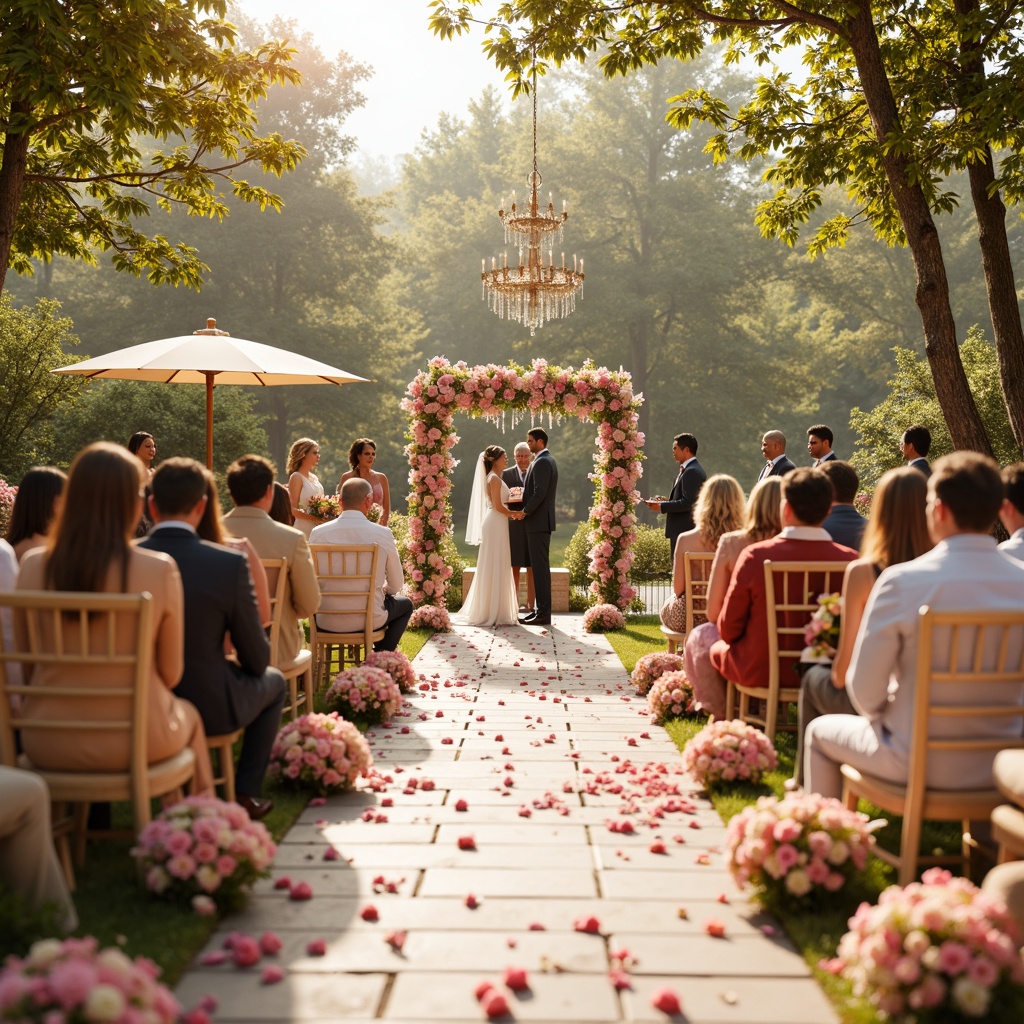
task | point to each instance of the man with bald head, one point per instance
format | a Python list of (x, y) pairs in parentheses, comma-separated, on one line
[(773, 448), (391, 610)]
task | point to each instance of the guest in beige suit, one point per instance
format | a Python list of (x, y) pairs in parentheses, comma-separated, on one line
[(90, 550), (251, 483)]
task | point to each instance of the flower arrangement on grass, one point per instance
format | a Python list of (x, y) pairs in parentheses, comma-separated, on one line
[(801, 846), (325, 507), (493, 391), (364, 693), (729, 751), (397, 665), (936, 950), (651, 666), (431, 616), (323, 753), (202, 846), (602, 618), (670, 696), (73, 980), (375, 513), (821, 634)]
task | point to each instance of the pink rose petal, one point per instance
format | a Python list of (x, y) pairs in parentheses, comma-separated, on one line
[(517, 979), (316, 947), (272, 974), (495, 1004), (270, 943), (666, 1000), (714, 927), (301, 891), (588, 924), (369, 913)]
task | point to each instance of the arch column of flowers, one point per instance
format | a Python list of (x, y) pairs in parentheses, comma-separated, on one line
[(498, 392)]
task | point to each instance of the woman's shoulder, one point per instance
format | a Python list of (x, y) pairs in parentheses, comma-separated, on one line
[(159, 563)]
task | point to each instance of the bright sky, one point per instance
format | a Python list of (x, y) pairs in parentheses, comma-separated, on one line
[(417, 76)]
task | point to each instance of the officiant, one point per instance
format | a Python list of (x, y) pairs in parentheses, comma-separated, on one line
[(515, 478)]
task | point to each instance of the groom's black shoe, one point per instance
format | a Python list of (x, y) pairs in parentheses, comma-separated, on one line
[(540, 620), (527, 619)]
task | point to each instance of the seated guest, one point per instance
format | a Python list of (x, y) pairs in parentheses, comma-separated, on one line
[(963, 571), (8, 574), (897, 532), (845, 525), (390, 610), (219, 600), (211, 528), (1012, 512), (35, 507), (28, 861), (915, 444), (251, 483), (281, 507), (741, 654), (90, 551), (719, 510), (763, 520)]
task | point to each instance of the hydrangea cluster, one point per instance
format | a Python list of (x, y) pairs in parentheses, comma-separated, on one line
[(729, 751), (603, 617), (670, 696), (650, 666), (74, 980), (323, 753), (397, 665), (599, 394), (202, 846), (804, 844), (431, 616), (935, 950), (365, 693)]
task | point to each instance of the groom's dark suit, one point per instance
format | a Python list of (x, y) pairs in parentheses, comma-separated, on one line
[(539, 506), (682, 500), (219, 601)]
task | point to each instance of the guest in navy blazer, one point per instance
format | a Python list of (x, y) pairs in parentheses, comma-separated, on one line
[(685, 490), (845, 525)]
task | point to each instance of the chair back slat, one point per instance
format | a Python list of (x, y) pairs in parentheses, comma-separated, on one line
[(277, 581), (697, 570), (347, 574)]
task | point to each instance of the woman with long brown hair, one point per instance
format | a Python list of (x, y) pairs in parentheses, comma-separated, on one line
[(896, 532), (90, 550), (361, 457)]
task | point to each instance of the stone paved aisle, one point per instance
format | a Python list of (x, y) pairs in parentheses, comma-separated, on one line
[(538, 732)]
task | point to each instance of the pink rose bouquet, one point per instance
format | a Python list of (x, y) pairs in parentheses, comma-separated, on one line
[(650, 666), (670, 696), (365, 693), (431, 616), (602, 618), (937, 950), (375, 513), (323, 753), (729, 751), (397, 665), (203, 846), (821, 634), (801, 846), (324, 508), (61, 982)]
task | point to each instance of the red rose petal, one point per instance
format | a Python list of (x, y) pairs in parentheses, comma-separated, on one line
[(369, 913), (461, 805), (316, 947), (301, 891), (482, 989), (472, 902), (466, 843), (495, 1004), (588, 924), (284, 882), (517, 979), (667, 1001), (272, 975), (270, 943), (714, 927)]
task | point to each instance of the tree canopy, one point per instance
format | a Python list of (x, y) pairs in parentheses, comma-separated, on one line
[(108, 110)]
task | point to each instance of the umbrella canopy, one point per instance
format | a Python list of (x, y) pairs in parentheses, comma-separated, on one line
[(211, 357)]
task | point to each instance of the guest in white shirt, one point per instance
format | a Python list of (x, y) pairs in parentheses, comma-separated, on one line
[(964, 571), (391, 611), (1012, 512)]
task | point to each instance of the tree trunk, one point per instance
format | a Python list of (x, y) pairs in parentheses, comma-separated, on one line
[(995, 247), (932, 296), (12, 179)]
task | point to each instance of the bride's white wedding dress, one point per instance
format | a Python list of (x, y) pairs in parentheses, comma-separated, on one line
[(492, 597)]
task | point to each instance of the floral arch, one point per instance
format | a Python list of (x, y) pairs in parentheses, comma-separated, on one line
[(496, 392)]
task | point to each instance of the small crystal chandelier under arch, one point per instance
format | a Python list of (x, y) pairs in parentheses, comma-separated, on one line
[(535, 291)]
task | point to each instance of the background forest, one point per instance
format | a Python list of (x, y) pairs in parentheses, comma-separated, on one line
[(373, 269)]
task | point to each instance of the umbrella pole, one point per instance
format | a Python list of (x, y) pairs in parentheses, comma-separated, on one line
[(209, 420)]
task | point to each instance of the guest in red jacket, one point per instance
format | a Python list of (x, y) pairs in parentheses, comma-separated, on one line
[(742, 653)]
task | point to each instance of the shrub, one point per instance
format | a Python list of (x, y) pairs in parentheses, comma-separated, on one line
[(652, 554)]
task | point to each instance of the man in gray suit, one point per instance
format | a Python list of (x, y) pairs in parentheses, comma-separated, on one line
[(219, 601), (964, 571), (539, 509)]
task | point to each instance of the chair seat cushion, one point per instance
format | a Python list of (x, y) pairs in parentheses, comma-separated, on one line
[(299, 665), (939, 804), (672, 634), (75, 787)]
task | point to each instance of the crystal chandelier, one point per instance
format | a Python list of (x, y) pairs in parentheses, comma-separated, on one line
[(538, 290)]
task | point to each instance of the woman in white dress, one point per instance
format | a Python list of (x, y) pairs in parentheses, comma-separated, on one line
[(303, 483), (492, 599)]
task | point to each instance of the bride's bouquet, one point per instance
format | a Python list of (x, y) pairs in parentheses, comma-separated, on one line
[(515, 495), (324, 508)]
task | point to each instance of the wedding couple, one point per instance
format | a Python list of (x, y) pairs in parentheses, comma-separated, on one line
[(492, 599)]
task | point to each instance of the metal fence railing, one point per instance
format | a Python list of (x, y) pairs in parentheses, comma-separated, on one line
[(653, 591)]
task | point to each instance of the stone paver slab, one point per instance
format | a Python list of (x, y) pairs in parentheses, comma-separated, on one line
[(520, 882)]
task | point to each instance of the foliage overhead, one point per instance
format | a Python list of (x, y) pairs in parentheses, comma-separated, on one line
[(108, 109)]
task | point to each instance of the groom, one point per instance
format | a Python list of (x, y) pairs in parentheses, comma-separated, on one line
[(539, 509)]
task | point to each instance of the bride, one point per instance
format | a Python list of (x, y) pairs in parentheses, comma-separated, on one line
[(492, 599)]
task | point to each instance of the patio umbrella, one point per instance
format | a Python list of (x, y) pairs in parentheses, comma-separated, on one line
[(211, 357)]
